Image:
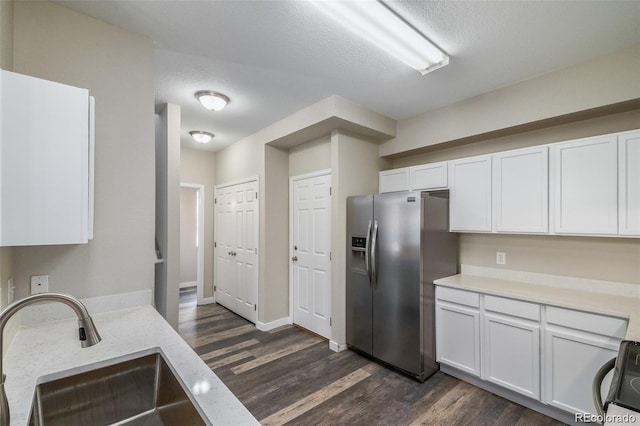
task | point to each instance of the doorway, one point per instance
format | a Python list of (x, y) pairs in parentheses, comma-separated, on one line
[(191, 244), (310, 253), (236, 247)]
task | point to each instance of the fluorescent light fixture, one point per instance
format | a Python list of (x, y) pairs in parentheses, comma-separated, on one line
[(201, 136), (377, 23), (213, 101)]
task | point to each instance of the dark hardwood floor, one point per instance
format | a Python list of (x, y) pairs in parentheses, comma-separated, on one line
[(290, 376)]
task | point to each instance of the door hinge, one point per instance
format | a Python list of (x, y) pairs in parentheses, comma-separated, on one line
[(215, 244), (329, 190), (330, 322), (214, 288), (329, 255), (255, 307), (255, 250), (256, 195), (215, 201)]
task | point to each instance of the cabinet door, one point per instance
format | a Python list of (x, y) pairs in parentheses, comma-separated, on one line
[(429, 176), (521, 193), (458, 337), (585, 185), (629, 181), (44, 168), (394, 180), (511, 353), (470, 194), (571, 360)]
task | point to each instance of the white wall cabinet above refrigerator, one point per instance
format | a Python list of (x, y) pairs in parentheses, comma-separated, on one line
[(46, 162)]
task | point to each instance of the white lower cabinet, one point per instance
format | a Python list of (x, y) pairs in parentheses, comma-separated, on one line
[(546, 353), (572, 359), (511, 353), (458, 329)]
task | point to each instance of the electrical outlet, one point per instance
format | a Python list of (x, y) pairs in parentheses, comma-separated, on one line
[(39, 284), (501, 258), (10, 290)]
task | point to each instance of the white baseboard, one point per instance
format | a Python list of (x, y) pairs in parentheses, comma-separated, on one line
[(189, 284), (266, 326), (206, 301), (337, 347)]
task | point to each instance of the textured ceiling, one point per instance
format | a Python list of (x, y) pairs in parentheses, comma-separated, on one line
[(273, 58)]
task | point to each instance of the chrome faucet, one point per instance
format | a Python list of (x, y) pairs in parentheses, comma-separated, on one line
[(88, 334)]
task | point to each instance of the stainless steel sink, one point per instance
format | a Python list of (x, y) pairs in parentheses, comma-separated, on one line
[(140, 391)]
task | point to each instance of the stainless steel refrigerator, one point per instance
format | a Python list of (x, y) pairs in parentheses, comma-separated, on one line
[(397, 244)]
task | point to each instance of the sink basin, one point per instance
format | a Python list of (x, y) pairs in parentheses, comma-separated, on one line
[(139, 391)]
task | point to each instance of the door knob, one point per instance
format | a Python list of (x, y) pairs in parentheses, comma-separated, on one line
[(294, 258)]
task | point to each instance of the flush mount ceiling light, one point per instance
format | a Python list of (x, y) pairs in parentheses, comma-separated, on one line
[(376, 22), (201, 136), (213, 101)]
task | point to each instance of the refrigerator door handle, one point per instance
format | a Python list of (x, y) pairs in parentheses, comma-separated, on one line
[(374, 244), (367, 251)]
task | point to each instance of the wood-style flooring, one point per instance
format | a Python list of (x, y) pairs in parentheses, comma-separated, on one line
[(290, 376)]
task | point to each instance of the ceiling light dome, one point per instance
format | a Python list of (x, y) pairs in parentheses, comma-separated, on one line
[(201, 136), (213, 101)]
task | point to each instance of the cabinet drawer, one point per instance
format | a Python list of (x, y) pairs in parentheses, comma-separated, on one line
[(516, 308), (593, 323), (461, 297)]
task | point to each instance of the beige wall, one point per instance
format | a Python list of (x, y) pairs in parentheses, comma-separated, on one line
[(273, 297), (310, 157), (6, 34), (198, 167), (55, 43), (355, 166), (600, 82), (188, 235), (613, 259), (243, 159)]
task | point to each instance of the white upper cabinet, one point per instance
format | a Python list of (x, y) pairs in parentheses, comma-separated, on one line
[(429, 176), (629, 181), (584, 179), (470, 194), (521, 190), (394, 180), (45, 164)]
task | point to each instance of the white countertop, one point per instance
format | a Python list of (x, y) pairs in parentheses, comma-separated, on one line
[(614, 299), (53, 350)]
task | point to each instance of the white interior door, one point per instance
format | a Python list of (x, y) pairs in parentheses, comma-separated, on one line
[(311, 261), (237, 248), (225, 243), (245, 252)]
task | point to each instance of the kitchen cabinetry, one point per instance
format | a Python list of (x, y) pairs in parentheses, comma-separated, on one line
[(429, 176), (629, 181), (521, 196), (394, 180), (584, 177), (46, 163), (511, 345), (547, 353), (470, 194), (458, 329), (577, 344)]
